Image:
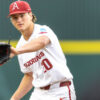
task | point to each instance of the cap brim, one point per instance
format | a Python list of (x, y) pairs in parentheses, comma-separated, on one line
[(17, 12)]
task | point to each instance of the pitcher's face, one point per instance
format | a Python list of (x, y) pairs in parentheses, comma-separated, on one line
[(22, 21)]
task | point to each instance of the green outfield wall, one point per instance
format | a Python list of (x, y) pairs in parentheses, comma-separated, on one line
[(77, 25)]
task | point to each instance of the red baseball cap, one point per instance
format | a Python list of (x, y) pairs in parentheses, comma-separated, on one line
[(19, 7)]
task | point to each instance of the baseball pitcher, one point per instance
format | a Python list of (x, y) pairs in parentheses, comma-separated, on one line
[(40, 58)]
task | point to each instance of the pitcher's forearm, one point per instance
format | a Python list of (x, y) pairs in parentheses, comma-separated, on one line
[(24, 87), (34, 45), (20, 94)]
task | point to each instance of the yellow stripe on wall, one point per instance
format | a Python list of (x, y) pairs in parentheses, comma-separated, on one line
[(75, 46), (81, 47)]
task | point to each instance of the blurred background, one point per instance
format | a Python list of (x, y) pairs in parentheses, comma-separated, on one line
[(71, 20)]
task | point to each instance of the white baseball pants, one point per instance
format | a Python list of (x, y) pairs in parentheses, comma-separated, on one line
[(54, 93)]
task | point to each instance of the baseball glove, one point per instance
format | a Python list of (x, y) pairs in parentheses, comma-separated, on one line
[(4, 52)]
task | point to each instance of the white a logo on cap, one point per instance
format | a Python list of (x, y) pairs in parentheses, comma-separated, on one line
[(15, 6)]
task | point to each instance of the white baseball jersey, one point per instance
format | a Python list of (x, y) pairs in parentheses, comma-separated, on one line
[(48, 64)]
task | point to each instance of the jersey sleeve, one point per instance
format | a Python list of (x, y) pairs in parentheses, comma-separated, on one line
[(45, 30)]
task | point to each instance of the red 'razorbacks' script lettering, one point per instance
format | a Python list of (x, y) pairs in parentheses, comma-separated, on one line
[(34, 60)]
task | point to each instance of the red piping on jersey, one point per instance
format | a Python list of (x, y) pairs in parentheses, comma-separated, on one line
[(42, 32)]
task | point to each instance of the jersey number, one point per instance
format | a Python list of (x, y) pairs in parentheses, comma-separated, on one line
[(46, 63)]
